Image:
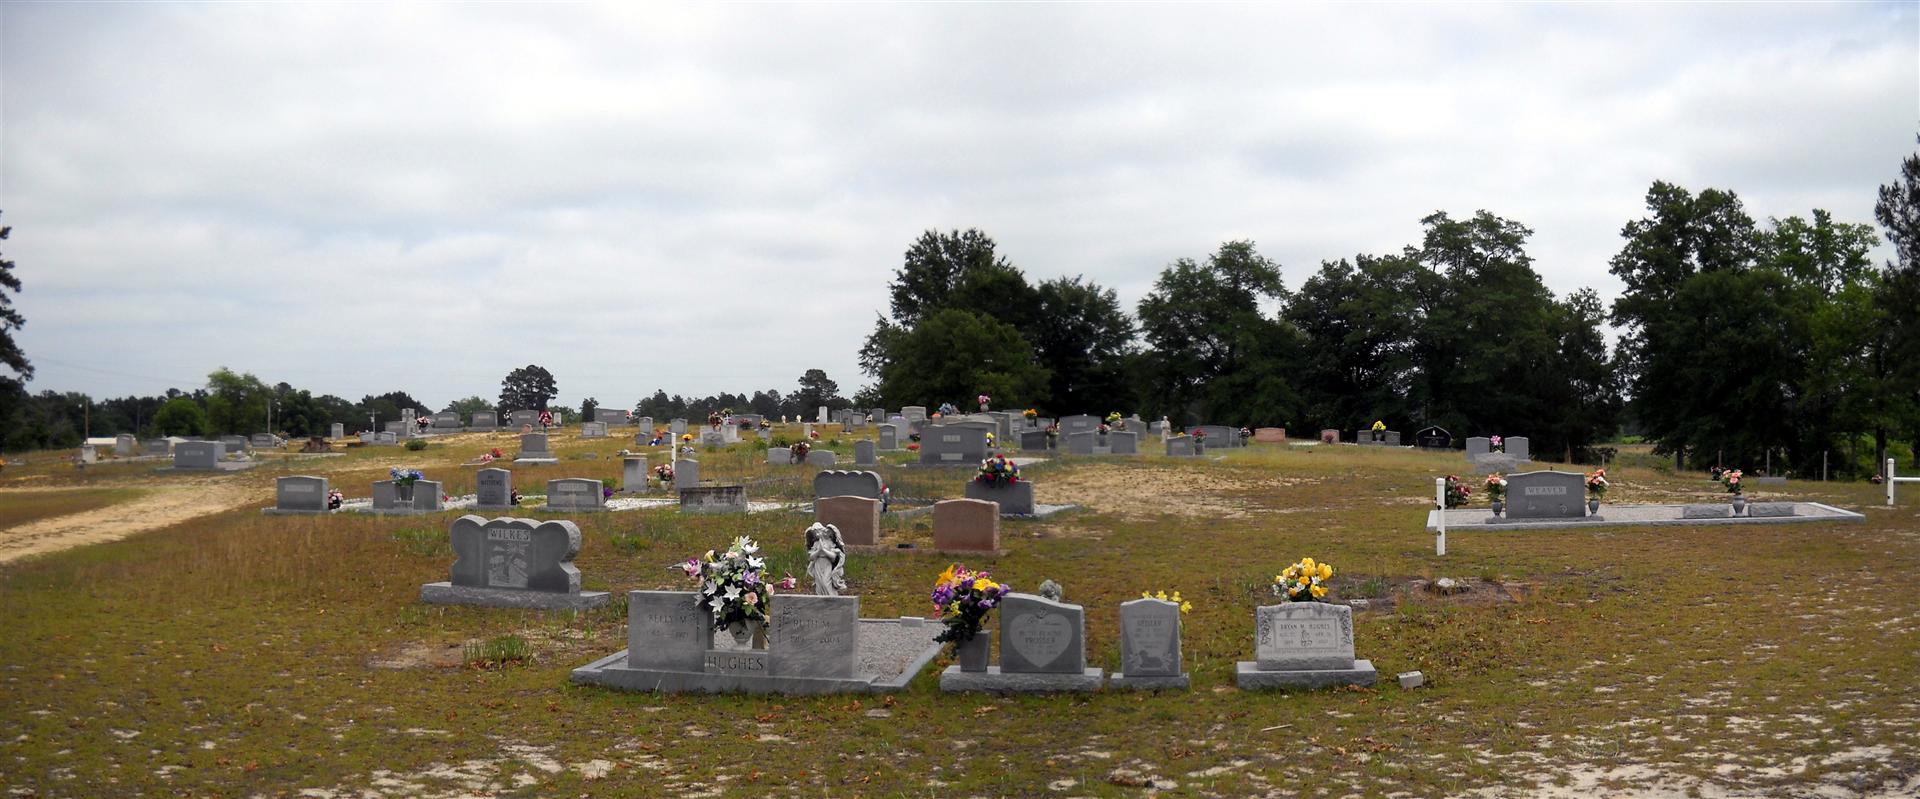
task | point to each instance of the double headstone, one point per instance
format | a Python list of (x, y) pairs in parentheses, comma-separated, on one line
[(593, 429), (839, 483), (576, 494), (446, 420), (1079, 423), (533, 446), (1546, 495), (198, 454), (484, 420), (299, 494), (952, 445), (159, 446), (393, 497), (1149, 646), (1303, 644), (1015, 499), (1270, 435), (513, 563), (609, 416)]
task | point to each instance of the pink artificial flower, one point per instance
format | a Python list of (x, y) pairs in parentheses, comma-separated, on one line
[(752, 598), (789, 583)]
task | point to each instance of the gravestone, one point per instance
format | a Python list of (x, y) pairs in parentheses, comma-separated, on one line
[(645, 423), (821, 417), (159, 446), (1220, 436), (387, 438), (446, 420), (1123, 443), (779, 456), (533, 446), (493, 489), (88, 454), (369, 438), (1433, 437), (236, 443), (1546, 495), (633, 474), (966, 525), (1015, 499), (1706, 511), (609, 416), (1180, 447), (1149, 646), (593, 429), (1270, 435), (1043, 647), (299, 494), (857, 517), (667, 630), (889, 437), (519, 563), (952, 445), (390, 498), (1478, 445), (678, 427), (1304, 644), (1329, 436), (338, 431), (814, 636), (1771, 510), (1034, 441), (838, 483), (914, 413), (1519, 448), (484, 420), (686, 474), (713, 499), (125, 444), (576, 494), (822, 457), (1080, 443), (1041, 636), (1078, 423), (265, 440), (396, 428), (712, 439), (863, 453), (198, 454)]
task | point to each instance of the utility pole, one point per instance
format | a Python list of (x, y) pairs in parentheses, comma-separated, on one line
[(86, 418)]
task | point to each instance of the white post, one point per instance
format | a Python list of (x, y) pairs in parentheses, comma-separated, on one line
[(1440, 501), (1890, 482)]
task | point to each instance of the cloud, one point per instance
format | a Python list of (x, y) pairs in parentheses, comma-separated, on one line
[(702, 198)]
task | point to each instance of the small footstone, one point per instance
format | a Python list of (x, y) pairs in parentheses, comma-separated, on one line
[(1412, 679)]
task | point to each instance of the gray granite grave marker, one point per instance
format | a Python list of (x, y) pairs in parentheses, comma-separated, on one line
[(1546, 495), (667, 630), (513, 563), (814, 636), (576, 494), (1041, 636), (493, 489)]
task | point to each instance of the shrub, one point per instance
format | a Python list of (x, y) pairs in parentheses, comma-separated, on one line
[(416, 444)]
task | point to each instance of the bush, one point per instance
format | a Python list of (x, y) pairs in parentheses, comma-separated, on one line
[(416, 444)]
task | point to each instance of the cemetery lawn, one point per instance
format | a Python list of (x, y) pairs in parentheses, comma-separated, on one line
[(241, 655), (21, 506)]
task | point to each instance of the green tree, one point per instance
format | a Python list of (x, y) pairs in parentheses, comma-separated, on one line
[(180, 417), (1085, 338), (1360, 322), (954, 354), (10, 320), (528, 388), (1203, 322), (587, 407), (467, 407), (236, 402), (1895, 402), (816, 389)]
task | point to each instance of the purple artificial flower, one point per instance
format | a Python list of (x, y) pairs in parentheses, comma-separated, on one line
[(986, 604)]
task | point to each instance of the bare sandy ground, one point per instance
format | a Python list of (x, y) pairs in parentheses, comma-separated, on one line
[(158, 507)]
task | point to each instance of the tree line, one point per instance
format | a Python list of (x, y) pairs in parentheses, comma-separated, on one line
[(1740, 342)]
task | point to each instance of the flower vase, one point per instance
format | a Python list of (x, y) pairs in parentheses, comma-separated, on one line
[(750, 633), (1498, 506), (1593, 507), (975, 652), (1739, 504), (403, 492)]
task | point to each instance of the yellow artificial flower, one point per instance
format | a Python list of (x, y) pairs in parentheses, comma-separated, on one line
[(1186, 607), (1160, 596), (1326, 572), (1319, 592), (945, 576), (1146, 594), (1306, 565)]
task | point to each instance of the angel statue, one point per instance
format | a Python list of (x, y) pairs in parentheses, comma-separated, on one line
[(826, 559)]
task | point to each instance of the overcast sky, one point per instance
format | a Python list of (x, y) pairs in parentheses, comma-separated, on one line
[(356, 199)]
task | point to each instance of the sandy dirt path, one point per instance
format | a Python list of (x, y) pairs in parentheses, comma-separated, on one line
[(156, 508)]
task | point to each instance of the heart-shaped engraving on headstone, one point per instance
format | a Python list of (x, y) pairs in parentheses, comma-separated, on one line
[(1040, 638)]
